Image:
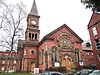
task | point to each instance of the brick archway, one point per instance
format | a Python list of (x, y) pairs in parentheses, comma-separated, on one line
[(32, 66), (67, 62)]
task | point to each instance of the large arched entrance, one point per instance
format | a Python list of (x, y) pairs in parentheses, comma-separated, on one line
[(32, 66), (67, 62)]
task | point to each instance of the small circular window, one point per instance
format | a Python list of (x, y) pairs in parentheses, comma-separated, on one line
[(33, 51)]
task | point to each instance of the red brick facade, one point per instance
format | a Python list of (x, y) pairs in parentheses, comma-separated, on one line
[(4, 61), (60, 48), (94, 31), (66, 45), (88, 57)]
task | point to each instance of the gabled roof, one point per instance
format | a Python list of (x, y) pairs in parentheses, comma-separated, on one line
[(63, 26), (95, 18), (34, 10)]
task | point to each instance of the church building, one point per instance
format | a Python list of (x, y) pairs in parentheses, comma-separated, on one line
[(61, 47)]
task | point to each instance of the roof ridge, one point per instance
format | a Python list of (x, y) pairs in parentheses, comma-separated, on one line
[(94, 19), (64, 25)]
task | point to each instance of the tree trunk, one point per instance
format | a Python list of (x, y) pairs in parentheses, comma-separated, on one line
[(8, 66)]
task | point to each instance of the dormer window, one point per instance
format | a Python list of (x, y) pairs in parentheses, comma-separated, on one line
[(94, 30)]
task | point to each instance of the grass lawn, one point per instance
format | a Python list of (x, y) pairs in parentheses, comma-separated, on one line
[(15, 74)]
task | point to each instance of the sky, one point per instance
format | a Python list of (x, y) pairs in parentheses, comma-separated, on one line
[(54, 13)]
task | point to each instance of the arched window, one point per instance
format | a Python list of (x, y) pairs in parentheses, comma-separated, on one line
[(35, 36), (78, 55), (32, 36), (42, 54), (54, 56), (29, 35), (54, 53)]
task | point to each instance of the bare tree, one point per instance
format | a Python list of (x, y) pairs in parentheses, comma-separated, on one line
[(11, 25)]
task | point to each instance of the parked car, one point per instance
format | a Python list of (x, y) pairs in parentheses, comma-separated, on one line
[(84, 72), (51, 73), (95, 72)]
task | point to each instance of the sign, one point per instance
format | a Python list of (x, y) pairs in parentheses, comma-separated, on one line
[(81, 63), (57, 64), (36, 70)]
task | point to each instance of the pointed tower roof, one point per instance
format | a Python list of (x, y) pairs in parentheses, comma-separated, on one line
[(34, 10)]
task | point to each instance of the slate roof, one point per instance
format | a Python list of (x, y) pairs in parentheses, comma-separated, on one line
[(34, 10), (95, 18)]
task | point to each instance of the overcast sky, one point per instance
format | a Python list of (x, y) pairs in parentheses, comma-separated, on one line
[(54, 13)]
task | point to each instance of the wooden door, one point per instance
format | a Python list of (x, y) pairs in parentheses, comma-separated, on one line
[(32, 67), (69, 64)]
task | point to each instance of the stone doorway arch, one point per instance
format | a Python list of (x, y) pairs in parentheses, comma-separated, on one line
[(32, 66), (67, 62)]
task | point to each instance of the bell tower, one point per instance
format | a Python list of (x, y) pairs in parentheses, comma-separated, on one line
[(32, 32)]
